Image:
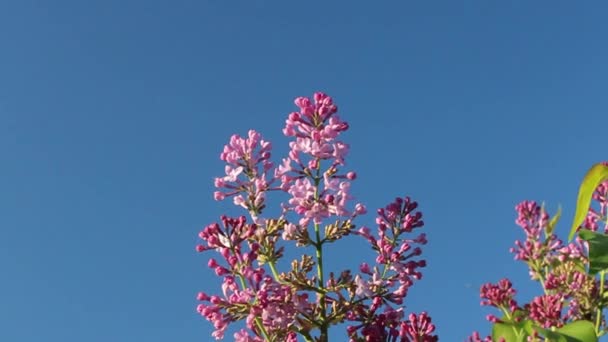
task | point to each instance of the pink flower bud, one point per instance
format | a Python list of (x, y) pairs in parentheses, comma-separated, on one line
[(360, 209), (213, 241), (289, 131), (295, 116), (202, 296), (218, 195), (232, 261), (376, 303), (225, 252), (350, 330), (220, 271), (313, 164), (319, 96), (302, 102), (492, 319), (212, 263)]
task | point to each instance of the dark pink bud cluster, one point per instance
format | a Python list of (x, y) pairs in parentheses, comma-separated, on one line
[(388, 283), (531, 218), (536, 251), (499, 295), (229, 236), (572, 282), (375, 326), (395, 253), (546, 310), (418, 329), (227, 239), (390, 326)]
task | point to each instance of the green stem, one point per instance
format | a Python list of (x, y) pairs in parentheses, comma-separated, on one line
[(598, 318), (323, 327), (507, 314), (275, 273), (602, 276), (307, 337), (319, 254), (541, 272)]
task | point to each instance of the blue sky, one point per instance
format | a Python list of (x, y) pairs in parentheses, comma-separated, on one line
[(113, 113)]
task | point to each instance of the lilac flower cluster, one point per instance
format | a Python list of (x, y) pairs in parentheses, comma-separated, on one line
[(389, 281), (306, 300)]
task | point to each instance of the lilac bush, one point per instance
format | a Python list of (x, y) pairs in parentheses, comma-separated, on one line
[(306, 300), (573, 297)]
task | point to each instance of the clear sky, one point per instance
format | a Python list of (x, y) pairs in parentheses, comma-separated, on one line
[(113, 113)]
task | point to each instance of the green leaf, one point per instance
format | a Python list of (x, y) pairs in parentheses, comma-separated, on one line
[(554, 336), (598, 250), (579, 331), (551, 226), (548, 334), (594, 177), (511, 332)]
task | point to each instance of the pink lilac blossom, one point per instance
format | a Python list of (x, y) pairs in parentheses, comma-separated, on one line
[(248, 163), (316, 195), (277, 306), (257, 295), (243, 336)]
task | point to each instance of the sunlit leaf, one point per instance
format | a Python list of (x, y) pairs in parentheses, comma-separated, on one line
[(598, 250), (594, 177), (530, 329), (511, 332), (579, 331)]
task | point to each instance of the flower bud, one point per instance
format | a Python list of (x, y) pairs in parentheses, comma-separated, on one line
[(212, 263)]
